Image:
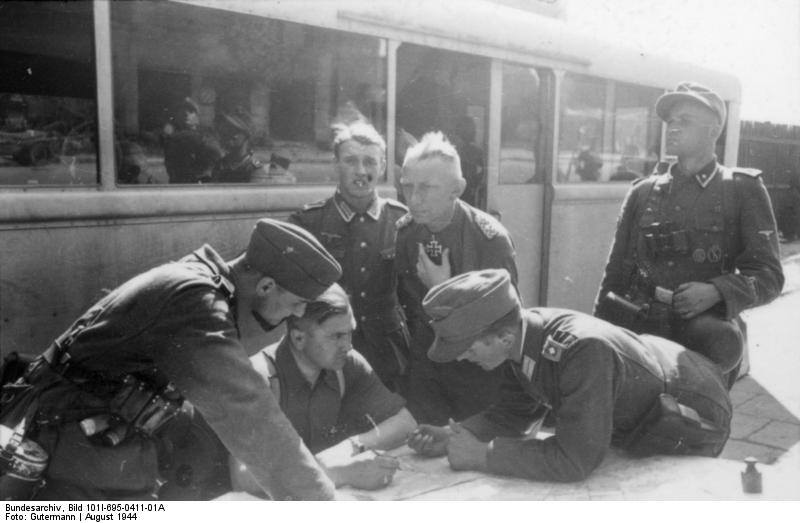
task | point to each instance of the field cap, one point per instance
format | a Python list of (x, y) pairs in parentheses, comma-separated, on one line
[(462, 307), (690, 91), (292, 257)]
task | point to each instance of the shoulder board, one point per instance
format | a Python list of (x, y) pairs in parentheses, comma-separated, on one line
[(488, 225), (315, 205), (396, 205), (748, 171), (404, 221), (556, 343)]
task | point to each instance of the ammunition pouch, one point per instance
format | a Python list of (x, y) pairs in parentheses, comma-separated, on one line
[(672, 428)]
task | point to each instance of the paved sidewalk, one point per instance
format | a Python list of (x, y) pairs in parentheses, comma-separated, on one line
[(766, 422)]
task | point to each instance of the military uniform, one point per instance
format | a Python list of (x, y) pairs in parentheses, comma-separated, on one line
[(476, 241), (717, 227), (339, 405), (596, 382), (239, 170), (173, 324), (364, 245), (97, 400)]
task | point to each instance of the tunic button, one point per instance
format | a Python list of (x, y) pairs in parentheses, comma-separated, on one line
[(363, 294), (361, 219), (677, 207), (670, 263), (363, 244), (363, 269), (363, 318)]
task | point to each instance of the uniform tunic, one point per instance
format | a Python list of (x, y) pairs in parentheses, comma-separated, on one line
[(438, 391), (722, 232), (189, 156), (364, 245), (596, 383), (175, 323), (322, 413)]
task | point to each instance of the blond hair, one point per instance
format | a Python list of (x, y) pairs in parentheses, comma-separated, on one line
[(433, 145)]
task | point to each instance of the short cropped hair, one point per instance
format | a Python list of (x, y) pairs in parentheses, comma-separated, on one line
[(333, 302), (433, 145), (361, 131)]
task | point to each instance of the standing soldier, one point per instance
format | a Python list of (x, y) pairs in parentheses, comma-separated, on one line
[(358, 227), (440, 237), (99, 397), (696, 243)]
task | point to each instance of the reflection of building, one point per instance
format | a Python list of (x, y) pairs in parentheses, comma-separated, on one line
[(291, 78)]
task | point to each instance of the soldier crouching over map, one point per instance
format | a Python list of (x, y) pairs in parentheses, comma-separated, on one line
[(97, 400), (601, 385)]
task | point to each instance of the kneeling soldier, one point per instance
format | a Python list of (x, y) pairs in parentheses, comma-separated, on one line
[(600, 384), (182, 330)]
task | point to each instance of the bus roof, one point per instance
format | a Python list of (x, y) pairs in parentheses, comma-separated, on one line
[(488, 29)]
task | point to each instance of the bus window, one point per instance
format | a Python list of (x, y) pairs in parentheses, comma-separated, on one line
[(521, 124), (637, 133), (48, 109), (449, 92), (608, 130), (212, 96)]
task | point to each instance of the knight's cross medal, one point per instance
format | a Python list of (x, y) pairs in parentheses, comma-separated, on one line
[(434, 251)]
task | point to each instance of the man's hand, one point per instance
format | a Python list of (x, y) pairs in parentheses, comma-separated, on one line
[(430, 441), (693, 298), (370, 471), (465, 451), (429, 273)]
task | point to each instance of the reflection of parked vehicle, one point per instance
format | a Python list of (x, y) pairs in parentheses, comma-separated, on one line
[(30, 147)]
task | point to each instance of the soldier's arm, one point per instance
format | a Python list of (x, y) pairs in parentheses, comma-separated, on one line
[(619, 265), (759, 276), (584, 423), (205, 360), (511, 416), (501, 254)]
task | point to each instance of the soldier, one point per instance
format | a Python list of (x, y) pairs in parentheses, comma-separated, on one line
[(600, 384), (239, 165), (181, 330), (189, 153), (332, 397), (358, 227), (440, 237), (696, 243)]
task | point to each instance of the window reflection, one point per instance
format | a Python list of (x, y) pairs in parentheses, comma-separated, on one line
[(521, 126), (48, 131), (211, 96), (608, 131)]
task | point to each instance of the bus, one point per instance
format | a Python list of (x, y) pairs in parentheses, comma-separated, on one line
[(557, 124)]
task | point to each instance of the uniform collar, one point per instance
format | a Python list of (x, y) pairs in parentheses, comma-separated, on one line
[(208, 256), (531, 342), (347, 213), (704, 176)]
